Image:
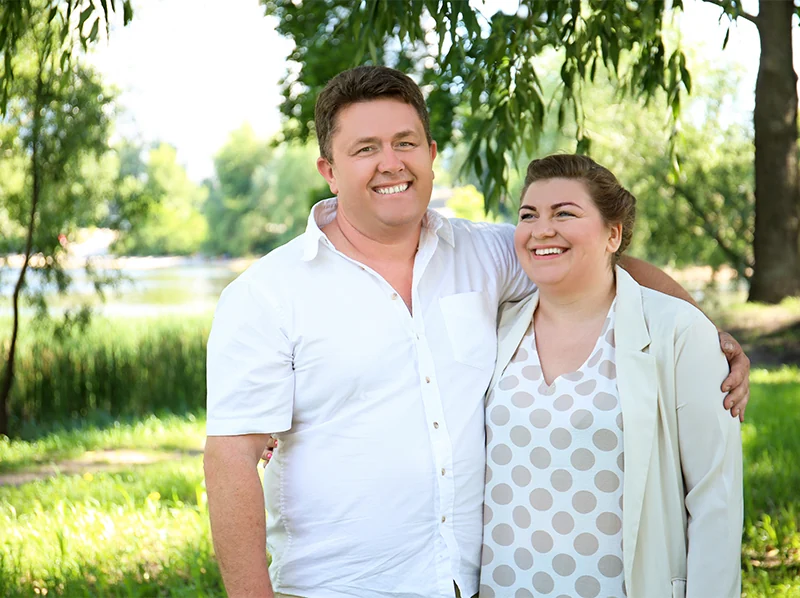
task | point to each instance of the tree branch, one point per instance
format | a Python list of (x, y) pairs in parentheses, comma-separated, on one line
[(740, 11), (738, 260)]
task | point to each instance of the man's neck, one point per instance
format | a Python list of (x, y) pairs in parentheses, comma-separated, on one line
[(391, 247)]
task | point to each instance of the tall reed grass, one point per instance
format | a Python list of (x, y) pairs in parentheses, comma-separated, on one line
[(116, 367)]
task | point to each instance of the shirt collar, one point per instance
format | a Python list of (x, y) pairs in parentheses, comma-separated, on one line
[(324, 212)]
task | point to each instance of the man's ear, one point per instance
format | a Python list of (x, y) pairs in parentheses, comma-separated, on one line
[(325, 168)]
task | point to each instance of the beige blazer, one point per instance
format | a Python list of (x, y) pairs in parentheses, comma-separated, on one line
[(682, 516)]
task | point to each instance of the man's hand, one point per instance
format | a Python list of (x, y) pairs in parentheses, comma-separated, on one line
[(738, 381)]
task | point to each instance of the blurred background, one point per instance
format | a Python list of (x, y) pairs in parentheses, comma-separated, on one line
[(150, 150)]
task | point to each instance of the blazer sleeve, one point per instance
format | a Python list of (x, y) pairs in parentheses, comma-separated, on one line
[(711, 460)]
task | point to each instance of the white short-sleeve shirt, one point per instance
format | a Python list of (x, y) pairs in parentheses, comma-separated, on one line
[(376, 487)]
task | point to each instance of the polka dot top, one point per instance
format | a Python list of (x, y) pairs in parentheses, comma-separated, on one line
[(553, 498)]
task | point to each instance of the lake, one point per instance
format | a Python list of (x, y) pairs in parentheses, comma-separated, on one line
[(175, 285)]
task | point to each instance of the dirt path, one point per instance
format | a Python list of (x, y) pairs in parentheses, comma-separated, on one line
[(92, 462)]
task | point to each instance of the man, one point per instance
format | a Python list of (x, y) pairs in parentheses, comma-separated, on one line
[(366, 344)]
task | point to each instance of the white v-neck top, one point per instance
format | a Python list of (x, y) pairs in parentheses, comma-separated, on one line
[(376, 487), (553, 502)]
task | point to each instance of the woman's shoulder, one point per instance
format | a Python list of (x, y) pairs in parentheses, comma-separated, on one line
[(664, 311)]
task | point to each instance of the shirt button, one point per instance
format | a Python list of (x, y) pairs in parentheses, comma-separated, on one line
[(443, 471), (394, 296), (427, 379), (444, 518), (435, 425)]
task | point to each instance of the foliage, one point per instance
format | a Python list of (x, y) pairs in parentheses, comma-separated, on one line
[(166, 208), (134, 367), (467, 202), (73, 109), (478, 70), (262, 194), (55, 121), (68, 22), (703, 214)]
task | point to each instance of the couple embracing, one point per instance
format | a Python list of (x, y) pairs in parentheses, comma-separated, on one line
[(464, 408)]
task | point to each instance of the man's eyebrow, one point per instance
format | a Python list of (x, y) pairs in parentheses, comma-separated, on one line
[(406, 133), (399, 135), (364, 140)]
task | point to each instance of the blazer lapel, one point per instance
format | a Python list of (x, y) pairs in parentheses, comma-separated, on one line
[(637, 383), (514, 321)]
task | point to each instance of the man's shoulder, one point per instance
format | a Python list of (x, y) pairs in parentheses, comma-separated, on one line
[(275, 265), (467, 231)]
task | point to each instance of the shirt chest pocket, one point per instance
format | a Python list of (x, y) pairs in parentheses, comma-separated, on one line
[(471, 321)]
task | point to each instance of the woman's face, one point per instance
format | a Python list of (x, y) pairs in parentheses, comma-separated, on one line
[(561, 239)]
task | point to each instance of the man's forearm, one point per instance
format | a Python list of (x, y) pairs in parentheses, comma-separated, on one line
[(654, 278), (238, 523)]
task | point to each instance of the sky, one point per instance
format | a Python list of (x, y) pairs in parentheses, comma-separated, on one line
[(191, 71)]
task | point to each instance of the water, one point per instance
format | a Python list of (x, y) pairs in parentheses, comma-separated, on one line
[(146, 287), (172, 285)]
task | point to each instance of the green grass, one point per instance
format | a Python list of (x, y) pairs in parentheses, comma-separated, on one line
[(116, 367), (109, 535), (771, 445), (165, 433), (144, 532)]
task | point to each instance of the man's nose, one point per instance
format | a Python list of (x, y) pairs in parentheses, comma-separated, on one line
[(390, 161)]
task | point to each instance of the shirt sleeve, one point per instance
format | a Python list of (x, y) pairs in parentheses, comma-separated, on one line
[(711, 460), (513, 283), (250, 375)]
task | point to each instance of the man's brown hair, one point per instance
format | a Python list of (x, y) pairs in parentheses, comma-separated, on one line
[(617, 205), (362, 84)]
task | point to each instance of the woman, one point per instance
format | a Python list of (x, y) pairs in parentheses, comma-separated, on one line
[(611, 469)]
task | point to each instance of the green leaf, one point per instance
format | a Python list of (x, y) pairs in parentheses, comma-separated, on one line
[(127, 12), (85, 14), (95, 30)]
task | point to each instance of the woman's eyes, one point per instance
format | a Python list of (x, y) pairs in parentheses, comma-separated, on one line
[(559, 214)]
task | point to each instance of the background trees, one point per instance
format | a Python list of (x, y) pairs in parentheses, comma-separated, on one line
[(54, 123), (486, 87)]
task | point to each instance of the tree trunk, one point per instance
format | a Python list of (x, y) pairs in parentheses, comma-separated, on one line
[(8, 373), (776, 245)]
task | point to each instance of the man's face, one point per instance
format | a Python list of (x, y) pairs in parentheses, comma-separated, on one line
[(382, 168)]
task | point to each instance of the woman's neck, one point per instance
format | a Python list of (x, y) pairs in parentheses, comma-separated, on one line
[(573, 306)]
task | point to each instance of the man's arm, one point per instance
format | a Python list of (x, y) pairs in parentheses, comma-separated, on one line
[(236, 510), (737, 384), (250, 392)]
